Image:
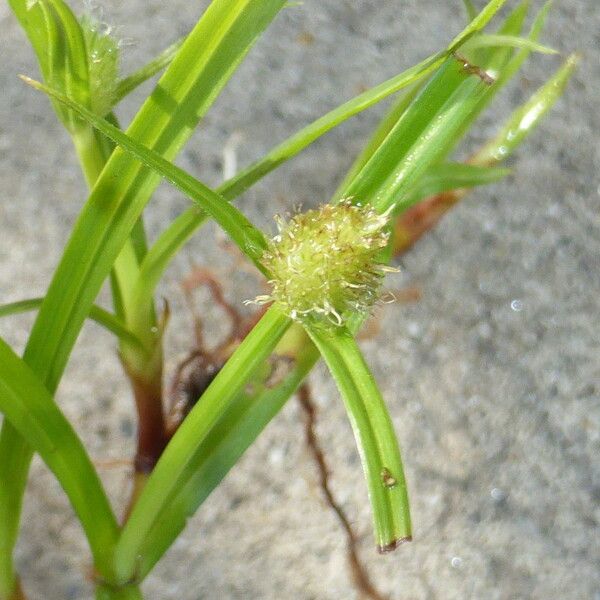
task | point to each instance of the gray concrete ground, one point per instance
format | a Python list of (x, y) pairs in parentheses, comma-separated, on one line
[(492, 378)]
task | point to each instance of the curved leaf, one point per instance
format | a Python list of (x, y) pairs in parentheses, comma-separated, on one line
[(28, 406)]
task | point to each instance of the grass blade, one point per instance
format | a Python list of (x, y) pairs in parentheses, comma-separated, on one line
[(507, 41), (157, 64), (377, 137), (28, 406), (249, 239), (424, 134), (374, 434), (526, 118), (179, 460), (218, 43), (98, 314), (453, 176), (225, 444), (306, 136), (415, 222)]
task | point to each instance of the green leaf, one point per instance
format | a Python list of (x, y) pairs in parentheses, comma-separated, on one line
[(377, 137), (423, 135), (374, 434), (180, 458), (184, 93), (453, 176), (495, 58), (234, 433), (510, 41), (522, 122), (470, 8), (28, 406), (512, 25), (502, 64), (306, 136), (157, 64), (98, 314), (59, 44), (249, 239), (481, 20)]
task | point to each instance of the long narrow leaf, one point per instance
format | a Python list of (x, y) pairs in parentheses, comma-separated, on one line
[(453, 176), (386, 124), (157, 64), (214, 49), (178, 462), (374, 433), (510, 41), (423, 135), (226, 443), (249, 239), (28, 406), (511, 26), (98, 314), (526, 117)]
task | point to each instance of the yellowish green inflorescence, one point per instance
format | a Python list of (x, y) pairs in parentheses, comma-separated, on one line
[(326, 263), (103, 63)]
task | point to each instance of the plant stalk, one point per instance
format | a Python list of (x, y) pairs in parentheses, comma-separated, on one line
[(128, 592), (143, 368)]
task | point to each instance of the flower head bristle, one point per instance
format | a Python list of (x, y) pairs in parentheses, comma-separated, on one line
[(325, 263)]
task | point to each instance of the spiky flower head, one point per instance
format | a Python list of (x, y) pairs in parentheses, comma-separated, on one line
[(326, 262)]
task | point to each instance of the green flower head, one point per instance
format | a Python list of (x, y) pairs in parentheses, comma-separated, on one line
[(103, 63), (326, 262)]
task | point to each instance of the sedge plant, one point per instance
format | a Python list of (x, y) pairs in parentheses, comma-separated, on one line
[(324, 268)]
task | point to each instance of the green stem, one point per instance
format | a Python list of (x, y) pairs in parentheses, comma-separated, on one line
[(142, 363), (10, 509), (129, 592), (91, 154)]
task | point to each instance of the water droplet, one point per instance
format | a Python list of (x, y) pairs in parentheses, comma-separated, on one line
[(276, 456), (388, 479), (413, 329), (516, 305), (501, 152), (456, 562), (154, 329), (497, 494)]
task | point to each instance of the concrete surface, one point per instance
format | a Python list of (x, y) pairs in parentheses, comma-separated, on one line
[(493, 378)]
